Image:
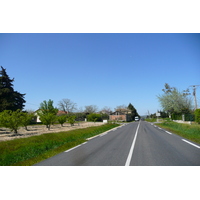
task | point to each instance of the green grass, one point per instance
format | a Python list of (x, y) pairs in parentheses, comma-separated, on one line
[(151, 120), (31, 150), (191, 132)]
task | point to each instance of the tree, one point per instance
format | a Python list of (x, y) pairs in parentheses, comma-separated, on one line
[(173, 101), (91, 109), (197, 115), (106, 110), (67, 105), (26, 119), (47, 113), (71, 119), (11, 119), (9, 99), (121, 108), (62, 119), (134, 112)]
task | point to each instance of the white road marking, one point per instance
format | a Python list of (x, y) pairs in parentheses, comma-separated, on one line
[(191, 143), (160, 128), (76, 147), (168, 132), (128, 161), (103, 134), (114, 129)]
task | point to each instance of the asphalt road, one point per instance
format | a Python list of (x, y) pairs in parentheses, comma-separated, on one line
[(134, 144)]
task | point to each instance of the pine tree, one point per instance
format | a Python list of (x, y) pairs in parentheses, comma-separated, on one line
[(9, 99)]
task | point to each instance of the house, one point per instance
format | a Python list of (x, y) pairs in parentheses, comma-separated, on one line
[(121, 114), (37, 118)]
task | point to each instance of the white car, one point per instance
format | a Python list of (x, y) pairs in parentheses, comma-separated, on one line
[(137, 118)]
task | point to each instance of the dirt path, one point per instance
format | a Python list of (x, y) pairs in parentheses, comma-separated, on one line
[(5, 133)]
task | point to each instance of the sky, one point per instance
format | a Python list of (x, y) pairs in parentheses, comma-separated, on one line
[(102, 69)]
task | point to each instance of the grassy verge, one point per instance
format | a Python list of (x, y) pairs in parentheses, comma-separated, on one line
[(150, 120), (28, 151), (191, 132)]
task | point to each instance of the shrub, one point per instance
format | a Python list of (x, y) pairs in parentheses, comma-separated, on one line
[(94, 117), (197, 115)]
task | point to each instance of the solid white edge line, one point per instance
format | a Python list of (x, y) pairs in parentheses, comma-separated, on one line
[(76, 147), (168, 132), (73, 148), (191, 143), (114, 129), (132, 148), (103, 134)]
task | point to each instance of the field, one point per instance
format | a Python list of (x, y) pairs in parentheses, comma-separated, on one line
[(6, 134)]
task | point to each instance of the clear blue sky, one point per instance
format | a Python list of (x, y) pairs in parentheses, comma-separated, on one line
[(100, 69)]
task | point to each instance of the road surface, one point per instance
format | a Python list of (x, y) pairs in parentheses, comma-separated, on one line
[(132, 144)]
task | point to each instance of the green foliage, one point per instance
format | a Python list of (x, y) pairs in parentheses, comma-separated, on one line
[(47, 107), (94, 117), (11, 119), (80, 116), (47, 113), (150, 119), (134, 112), (9, 99), (174, 101), (28, 151), (26, 119), (71, 119), (62, 119), (197, 115), (47, 119)]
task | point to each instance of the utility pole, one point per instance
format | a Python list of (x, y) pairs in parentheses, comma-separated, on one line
[(194, 94)]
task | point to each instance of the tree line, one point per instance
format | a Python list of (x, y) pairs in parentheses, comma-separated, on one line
[(12, 103)]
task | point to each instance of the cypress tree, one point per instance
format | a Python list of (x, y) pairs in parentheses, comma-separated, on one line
[(9, 99), (134, 112)]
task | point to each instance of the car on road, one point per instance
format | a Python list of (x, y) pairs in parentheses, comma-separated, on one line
[(137, 118)]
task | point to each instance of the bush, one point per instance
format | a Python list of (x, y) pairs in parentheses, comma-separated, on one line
[(93, 117), (197, 115)]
